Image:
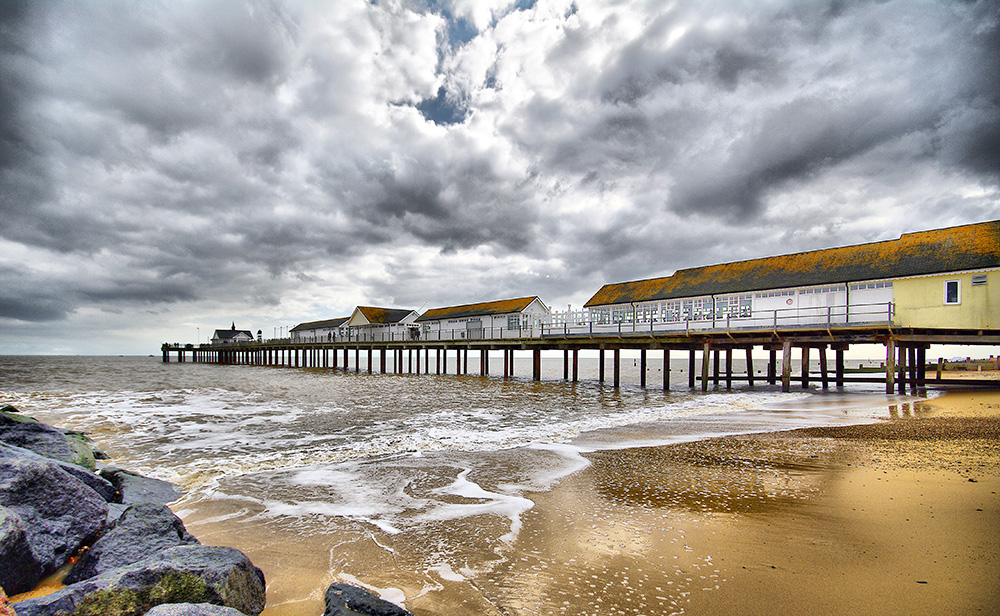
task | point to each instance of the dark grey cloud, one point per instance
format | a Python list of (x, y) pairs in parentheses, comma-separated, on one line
[(285, 161)]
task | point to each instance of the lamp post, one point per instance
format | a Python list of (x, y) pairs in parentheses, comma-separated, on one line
[(199, 335)]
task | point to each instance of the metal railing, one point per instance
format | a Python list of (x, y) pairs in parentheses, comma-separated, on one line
[(829, 317)]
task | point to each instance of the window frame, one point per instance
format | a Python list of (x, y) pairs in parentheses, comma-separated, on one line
[(958, 292)]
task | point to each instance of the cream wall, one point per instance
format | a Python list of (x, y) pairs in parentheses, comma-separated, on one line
[(920, 302)]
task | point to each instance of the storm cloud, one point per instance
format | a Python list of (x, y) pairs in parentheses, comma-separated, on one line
[(167, 168)]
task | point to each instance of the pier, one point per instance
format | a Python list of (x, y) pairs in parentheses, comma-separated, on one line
[(938, 287), (709, 351)]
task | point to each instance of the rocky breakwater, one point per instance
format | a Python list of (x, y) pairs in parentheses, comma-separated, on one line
[(130, 552)]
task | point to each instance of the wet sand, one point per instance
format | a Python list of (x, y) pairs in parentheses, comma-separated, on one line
[(900, 517)]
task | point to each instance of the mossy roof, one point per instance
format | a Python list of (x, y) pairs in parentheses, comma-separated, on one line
[(381, 316), (962, 248), (503, 306), (327, 324)]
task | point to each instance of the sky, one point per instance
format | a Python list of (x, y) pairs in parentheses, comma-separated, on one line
[(171, 167)]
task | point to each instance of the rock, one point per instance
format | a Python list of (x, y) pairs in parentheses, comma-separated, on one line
[(347, 600), (135, 488), (5, 607), (192, 609), (185, 574), (21, 431), (143, 530), (60, 513), (19, 570), (99, 484)]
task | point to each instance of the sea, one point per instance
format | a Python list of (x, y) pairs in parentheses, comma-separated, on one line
[(413, 486)]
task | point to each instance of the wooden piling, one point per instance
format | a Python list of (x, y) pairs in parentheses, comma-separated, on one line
[(786, 366)]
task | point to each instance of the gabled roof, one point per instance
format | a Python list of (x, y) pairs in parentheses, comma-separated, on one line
[(327, 324), (504, 306), (954, 249), (226, 334), (378, 316)]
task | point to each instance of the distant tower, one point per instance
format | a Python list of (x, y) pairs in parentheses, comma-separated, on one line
[(234, 325)]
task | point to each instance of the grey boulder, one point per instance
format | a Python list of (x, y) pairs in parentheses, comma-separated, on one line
[(59, 512), (22, 431), (97, 483), (142, 530), (347, 600), (185, 574), (19, 569), (134, 488)]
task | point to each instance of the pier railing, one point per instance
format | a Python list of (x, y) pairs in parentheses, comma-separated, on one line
[(830, 317)]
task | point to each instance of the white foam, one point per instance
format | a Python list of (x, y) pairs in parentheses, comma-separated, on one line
[(509, 505), (445, 572)]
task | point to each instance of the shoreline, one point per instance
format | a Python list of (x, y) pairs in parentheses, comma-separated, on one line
[(896, 517)]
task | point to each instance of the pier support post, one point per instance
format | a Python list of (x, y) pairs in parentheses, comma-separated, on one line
[(576, 365), (805, 367), (901, 366), (357, 359), (706, 359), (890, 366), (600, 365), (839, 359), (912, 360), (617, 368), (691, 368), (922, 366), (536, 361), (823, 375), (715, 368), (642, 368), (729, 368), (750, 367), (786, 366), (772, 364), (482, 362), (565, 364), (666, 369), (437, 359), (506, 367)]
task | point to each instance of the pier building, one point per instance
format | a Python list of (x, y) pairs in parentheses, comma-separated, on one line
[(510, 318), (928, 288), (319, 331)]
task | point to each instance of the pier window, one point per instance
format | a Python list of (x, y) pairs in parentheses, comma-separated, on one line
[(952, 292), (734, 306)]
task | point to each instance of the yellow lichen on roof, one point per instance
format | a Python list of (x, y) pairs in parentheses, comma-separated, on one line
[(952, 249), (482, 308)]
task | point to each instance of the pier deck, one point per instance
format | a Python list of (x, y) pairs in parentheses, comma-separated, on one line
[(905, 365)]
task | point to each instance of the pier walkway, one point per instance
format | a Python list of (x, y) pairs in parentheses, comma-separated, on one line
[(709, 350)]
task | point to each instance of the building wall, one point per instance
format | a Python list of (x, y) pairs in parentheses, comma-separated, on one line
[(920, 302)]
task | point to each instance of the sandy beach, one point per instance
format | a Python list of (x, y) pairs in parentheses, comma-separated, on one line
[(899, 517)]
